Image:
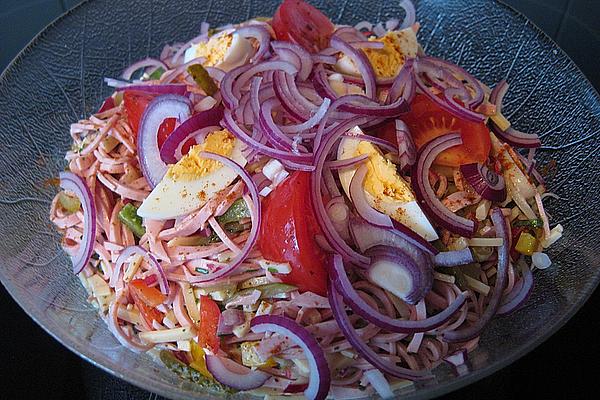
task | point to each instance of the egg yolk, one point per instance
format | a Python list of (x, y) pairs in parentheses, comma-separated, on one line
[(387, 62), (214, 50), (193, 166), (382, 181)]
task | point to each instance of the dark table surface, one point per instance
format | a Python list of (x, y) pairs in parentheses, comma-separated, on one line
[(33, 364)]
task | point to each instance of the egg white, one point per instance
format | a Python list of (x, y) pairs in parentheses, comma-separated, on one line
[(407, 213), (175, 198)]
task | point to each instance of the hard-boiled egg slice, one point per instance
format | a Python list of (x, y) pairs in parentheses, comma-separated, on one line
[(190, 183), (385, 190), (386, 62), (225, 51)]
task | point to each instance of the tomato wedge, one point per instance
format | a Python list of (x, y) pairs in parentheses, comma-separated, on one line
[(147, 312), (209, 322), (288, 233), (426, 121), (299, 22), (149, 295), (135, 103)]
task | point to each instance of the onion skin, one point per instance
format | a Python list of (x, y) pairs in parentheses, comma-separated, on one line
[(474, 330), (359, 306), (76, 185)]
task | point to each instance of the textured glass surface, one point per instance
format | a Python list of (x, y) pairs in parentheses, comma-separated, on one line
[(57, 79)]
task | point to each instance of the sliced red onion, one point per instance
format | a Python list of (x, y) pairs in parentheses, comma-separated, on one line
[(406, 146), (425, 194), (511, 136), (112, 321), (74, 184), (234, 375), (453, 258), (306, 62), (138, 250), (348, 162), (189, 127), (169, 88), (229, 123), (516, 138), (360, 202), (255, 218), (400, 274), (332, 236), (145, 63), (361, 62), (385, 366), (366, 236), (475, 329), (522, 295), (321, 83), (360, 105), (411, 14), (159, 109), (261, 34), (311, 122), (485, 181), (320, 376), (361, 307), (226, 89)]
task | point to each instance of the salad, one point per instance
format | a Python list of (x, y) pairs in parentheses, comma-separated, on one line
[(289, 206)]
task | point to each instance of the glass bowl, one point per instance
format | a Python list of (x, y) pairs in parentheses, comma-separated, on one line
[(58, 78)]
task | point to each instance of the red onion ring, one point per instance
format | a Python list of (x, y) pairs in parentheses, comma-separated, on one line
[(305, 61), (474, 330), (261, 34), (425, 194), (453, 258), (359, 200), (76, 185), (486, 182), (162, 107), (362, 64), (234, 375), (522, 295), (320, 377), (138, 250), (335, 300), (145, 63), (360, 307), (411, 14), (406, 146), (182, 133)]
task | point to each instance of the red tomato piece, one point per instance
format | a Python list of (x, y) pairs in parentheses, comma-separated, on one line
[(288, 233), (147, 312), (426, 121), (149, 295), (209, 322), (299, 22)]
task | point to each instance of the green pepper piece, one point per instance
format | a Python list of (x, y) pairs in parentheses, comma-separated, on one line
[(530, 223), (202, 78), (238, 210), (129, 218), (269, 290), (70, 204), (186, 372), (156, 74)]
